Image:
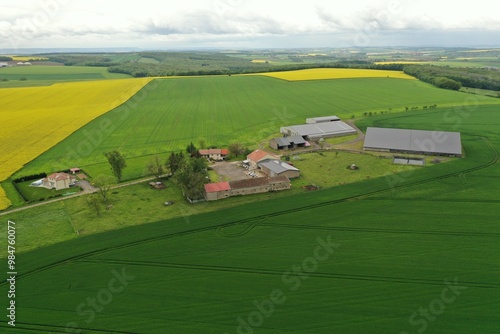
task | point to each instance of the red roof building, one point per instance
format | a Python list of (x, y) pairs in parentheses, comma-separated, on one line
[(259, 155), (214, 153), (215, 191)]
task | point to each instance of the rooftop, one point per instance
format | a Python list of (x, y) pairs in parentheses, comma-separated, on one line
[(321, 129), (277, 166), (438, 142), (257, 182), (322, 119), (258, 155), (220, 151), (215, 187), (58, 176)]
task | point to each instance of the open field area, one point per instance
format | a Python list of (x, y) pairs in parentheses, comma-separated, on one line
[(336, 73), (169, 113), (380, 256), (37, 118), (22, 76)]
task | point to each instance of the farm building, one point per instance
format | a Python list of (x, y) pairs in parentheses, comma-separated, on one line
[(214, 154), (285, 143), (259, 185), (316, 131), (277, 168), (257, 156), (74, 170), (59, 181), (413, 141), (215, 191), (322, 119), (220, 190)]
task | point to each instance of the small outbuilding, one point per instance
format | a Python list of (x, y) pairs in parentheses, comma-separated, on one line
[(277, 168), (285, 143), (215, 191)]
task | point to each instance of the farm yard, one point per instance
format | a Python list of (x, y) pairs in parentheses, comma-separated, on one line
[(367, 252)]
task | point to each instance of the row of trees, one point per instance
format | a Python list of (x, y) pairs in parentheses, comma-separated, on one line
[(454, 77), (223, 67)]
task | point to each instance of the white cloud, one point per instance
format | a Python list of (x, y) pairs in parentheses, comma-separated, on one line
[(56, 23)]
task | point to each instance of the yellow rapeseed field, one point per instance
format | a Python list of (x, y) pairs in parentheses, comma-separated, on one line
[(27, 58), (335, 73), (33, 119)]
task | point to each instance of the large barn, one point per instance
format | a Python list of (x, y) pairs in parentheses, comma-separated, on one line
[(316, 131), (413, 141)]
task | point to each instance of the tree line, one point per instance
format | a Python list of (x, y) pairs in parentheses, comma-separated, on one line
[(456, 77)]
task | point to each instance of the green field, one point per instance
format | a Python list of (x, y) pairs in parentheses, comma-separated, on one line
[(170, 113), (407, 253), (415, 250), (22, 76)]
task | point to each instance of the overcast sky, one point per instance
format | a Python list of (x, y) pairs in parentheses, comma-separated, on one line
[(236, 24)]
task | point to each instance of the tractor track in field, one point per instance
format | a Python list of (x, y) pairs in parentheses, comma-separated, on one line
[(383, 230), (263, 217), (42, 328), (263, 271)]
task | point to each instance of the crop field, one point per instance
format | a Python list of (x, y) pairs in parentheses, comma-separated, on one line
[(170, 113), (37, 118), (47, 75), (27, 58), (406, 253), (336, 73)]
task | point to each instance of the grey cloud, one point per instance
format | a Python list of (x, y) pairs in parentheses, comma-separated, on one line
[(212, 23)]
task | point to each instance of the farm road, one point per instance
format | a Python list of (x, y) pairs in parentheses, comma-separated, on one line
[(87, 189)]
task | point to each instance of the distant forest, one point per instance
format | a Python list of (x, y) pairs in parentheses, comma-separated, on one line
[(456, 77), (148, 64)]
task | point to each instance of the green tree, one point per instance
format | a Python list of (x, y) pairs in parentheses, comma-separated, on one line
[(191, 179), (103, 184), (155, 167), (199, 165), (192, 150), (174, 162), (93, 204), (236, 149), (117, 162)]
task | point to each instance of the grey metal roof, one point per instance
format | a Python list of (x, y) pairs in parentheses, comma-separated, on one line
[(438, 142), (322, 119), (298, 140), (277, 166), (321, 129), (282, 141)]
